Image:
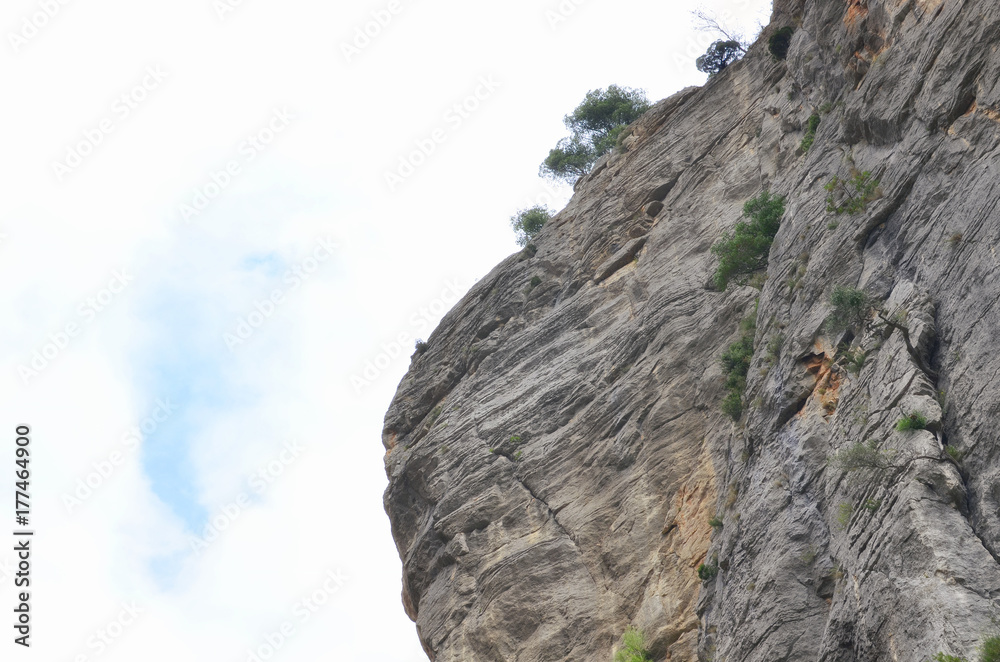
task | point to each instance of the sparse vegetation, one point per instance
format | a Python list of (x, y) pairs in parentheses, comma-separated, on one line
[(853, 359), (844, 512), (535, 281), (912, 422), (780, 41), (596, 124), (851, 196), (851, 308), (872, 505), (420, 346), (990, 650), (954, 453), (707, 572), (633, 647), (863, 457), (527, 223), (715, 523), (810, 136), (941, 657), (745, 250), (736, 364)]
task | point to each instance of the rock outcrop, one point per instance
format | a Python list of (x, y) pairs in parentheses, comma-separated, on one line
[(556, 454)]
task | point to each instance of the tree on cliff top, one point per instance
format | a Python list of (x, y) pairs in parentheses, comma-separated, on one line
[(596, 125)]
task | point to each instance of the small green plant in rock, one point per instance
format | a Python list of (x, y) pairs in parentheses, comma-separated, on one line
[(810, 137), (736, 364), (990, 650), (715, 523), (853, 194), (953, 453), (844, 512), (912, 422), (420, 347), (633, 647), (535, 281), (941, 657), (527, 223), (745, 250), (780, 41), (707, 572), (851, 308), (872, 505)]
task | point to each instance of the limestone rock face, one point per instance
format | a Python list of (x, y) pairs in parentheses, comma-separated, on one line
[(555, 455)]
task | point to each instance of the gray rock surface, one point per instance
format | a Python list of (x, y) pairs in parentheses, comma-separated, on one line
[(556, 454)]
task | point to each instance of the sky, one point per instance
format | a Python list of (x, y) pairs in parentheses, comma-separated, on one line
[(223, 225)]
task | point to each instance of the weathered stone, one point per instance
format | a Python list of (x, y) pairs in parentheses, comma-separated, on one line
[(555, 456)]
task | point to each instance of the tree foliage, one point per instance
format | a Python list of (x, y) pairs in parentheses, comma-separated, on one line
[(633, 647), (719, 55), (528, 222), (596, 125), (851, 308), (780, 41), (745, 250)]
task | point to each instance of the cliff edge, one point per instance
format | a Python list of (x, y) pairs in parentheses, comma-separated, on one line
[(559, 465)]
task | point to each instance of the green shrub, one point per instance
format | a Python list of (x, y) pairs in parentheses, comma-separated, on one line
[(719, 55), (810, 137), (941, 657), (844, 512), (420, 347), (633, 647), (851, 308), (780, 41), (596, 125), (527, 223), (535, 281), (707, 572), (854, 193), (862, 456), (736, 364), (745, 250), (914, 421), (854, 360), (715, 523), (990, 650)]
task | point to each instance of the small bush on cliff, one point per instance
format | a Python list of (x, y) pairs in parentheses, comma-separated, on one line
[(990, 650), (633, 647), (736, 364), (810, 137), (851, 307), (707, 572), (914, 421), (596, 125), (719, 55), (745, 250), (941, 657), (780, 41), (851, 196), (528, 222)]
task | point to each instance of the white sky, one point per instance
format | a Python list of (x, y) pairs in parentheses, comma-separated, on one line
[(100, 247)]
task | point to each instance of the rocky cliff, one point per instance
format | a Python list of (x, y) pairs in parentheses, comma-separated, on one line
[(557, 453)]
